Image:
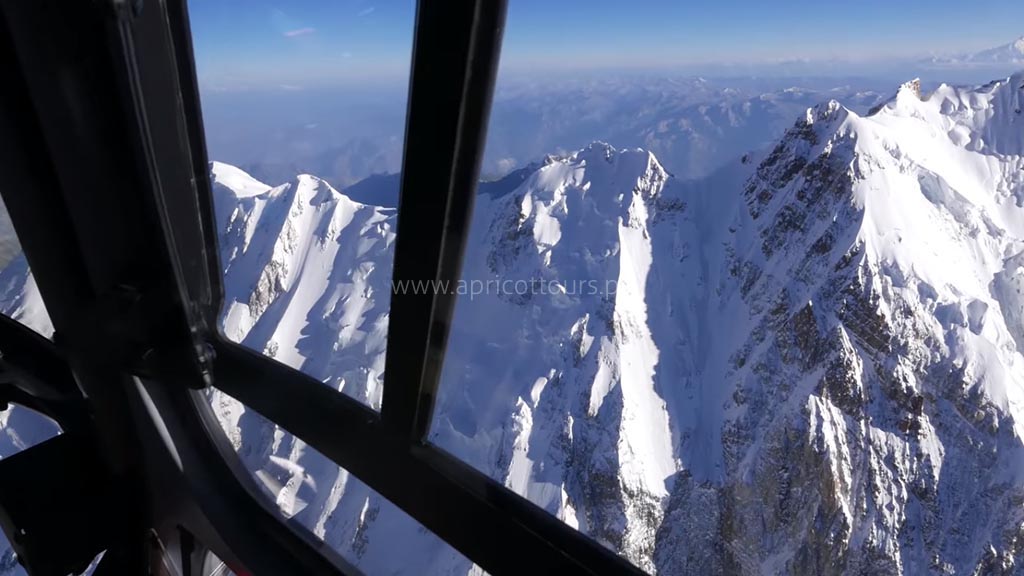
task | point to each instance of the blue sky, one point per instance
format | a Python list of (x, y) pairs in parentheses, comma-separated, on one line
[(664, 32), (259, 43)]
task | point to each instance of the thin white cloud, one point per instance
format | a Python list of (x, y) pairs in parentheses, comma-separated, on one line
[(367, 11), (299, 32), (505, 165)]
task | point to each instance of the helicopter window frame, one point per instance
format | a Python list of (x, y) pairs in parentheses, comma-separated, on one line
[(151, 97)]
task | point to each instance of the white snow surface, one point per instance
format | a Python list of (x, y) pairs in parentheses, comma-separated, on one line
[(808, 362)]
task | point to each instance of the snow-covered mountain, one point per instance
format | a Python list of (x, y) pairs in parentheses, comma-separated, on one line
[(307, 276), (809, 362), (1007, 54)]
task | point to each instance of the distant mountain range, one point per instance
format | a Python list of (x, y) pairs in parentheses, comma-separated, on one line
[(1007, 54)]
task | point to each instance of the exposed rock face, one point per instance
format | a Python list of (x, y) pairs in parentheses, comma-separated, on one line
[(872, 426)]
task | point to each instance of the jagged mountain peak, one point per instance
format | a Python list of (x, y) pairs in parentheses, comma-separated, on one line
[(913, 159), (596, 183), (580, 201), (625, 161), (906, 92), (830, 111)]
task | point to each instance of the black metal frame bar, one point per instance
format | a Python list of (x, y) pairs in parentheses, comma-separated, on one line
[(148, 293), (455, 61), (496, 528)]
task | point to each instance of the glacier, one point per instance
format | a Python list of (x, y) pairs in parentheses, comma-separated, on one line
[(807, 362)]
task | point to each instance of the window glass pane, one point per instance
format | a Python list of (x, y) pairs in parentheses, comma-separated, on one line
[(9, 246), (8, 559), (9, 565), (214, 566), (367, 530), (304, 111), (20, 429), (19, 297), (741, 295)]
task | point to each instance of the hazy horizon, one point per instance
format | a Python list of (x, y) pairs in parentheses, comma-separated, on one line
[(321, 87), (241, 44)]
